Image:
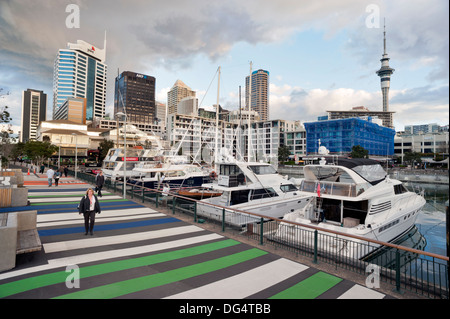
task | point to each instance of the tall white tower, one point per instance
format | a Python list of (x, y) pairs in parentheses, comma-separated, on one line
[(385, 73)]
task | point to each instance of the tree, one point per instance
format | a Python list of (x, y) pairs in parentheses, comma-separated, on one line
[(283, 153), (38, 151), (359, 152), (412, 157), (104, 146)]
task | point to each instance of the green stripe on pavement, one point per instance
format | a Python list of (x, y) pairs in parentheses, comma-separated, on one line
[(310, 288), (142, 283), (23, 285)]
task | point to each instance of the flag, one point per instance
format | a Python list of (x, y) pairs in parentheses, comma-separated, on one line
[(318, 189)]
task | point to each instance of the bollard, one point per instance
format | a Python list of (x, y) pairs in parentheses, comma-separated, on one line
[(315, 246)]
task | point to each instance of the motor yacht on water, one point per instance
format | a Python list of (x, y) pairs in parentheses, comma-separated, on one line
[(351, 196), (167, 174), (113, 163), (251, 187)]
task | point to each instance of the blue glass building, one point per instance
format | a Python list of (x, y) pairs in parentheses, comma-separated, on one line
[(80, 71), (339, 136)]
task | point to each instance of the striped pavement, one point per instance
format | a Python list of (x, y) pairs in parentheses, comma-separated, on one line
[(137, 252)]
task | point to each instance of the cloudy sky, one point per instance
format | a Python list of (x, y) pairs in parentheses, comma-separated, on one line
[(321, 55)]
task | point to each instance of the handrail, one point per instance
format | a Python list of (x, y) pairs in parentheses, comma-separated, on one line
[(374, 241)]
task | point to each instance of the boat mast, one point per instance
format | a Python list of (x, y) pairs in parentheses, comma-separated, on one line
[(217, 122), (249, 144)]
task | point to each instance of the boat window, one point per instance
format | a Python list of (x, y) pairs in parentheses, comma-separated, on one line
[(263, 193), (262, 169), (400, 189), (239, 197), (229, 170), (288, 188), (371, 173)]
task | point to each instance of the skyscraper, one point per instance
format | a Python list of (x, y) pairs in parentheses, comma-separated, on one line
[(34, 110), (260, 93), (80, 71), (178, 92), (385, 73), (134, 95)]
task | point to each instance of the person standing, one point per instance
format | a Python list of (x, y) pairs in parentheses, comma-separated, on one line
[(42, 169), (50, 174), (89, 206), (99, 181), (66, 170), (57, 176)]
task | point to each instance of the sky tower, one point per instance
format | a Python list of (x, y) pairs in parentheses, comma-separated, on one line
[(385, 76)]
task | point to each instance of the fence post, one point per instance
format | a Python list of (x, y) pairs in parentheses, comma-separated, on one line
[(397, 270), (223, 219), (261, 230), (195, 211), (173, 204), (157, 199), (315, 246), (143, 194)]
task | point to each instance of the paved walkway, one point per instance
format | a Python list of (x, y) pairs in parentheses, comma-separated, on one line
[(138, 252)]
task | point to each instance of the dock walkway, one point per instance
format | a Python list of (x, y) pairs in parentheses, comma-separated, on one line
[(138, 252)]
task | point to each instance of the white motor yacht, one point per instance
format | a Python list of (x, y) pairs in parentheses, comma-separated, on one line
[(355, 197), (251, 187)]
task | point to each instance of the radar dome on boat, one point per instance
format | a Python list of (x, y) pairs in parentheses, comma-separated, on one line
[(323, 150)]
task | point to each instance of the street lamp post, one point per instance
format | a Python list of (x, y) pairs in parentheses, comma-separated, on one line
[(124, 154), (59, 153), (76, 153)]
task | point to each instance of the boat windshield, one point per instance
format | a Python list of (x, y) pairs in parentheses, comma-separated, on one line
[(262, 169), (371, 173)]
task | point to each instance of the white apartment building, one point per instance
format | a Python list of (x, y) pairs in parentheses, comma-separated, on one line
[(428, 143)]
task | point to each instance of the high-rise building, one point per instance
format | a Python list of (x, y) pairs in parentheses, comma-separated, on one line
[(73, 109), (34, 110), (385, 73), (80, 71), (134, 95), (259, 93), (178, 92)]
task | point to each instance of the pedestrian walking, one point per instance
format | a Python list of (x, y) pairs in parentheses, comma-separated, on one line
[(99, 181), (57, 176), (50, 174), (89, 206), (42, 169), (66, 170)]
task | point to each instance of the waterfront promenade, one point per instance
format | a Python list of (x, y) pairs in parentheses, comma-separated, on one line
[(138, 252)]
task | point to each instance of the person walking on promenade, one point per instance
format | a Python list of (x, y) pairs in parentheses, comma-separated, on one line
[(50, 174), (42, 169), (89, 206), (66, 170), (57, 176), (99, 181)]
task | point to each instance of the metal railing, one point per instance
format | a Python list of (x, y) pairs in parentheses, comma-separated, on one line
[(406, 269)]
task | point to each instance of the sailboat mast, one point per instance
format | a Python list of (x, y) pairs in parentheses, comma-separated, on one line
[(217, 122), (249, 144)]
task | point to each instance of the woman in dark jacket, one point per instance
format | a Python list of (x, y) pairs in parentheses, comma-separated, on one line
[(89, 206)]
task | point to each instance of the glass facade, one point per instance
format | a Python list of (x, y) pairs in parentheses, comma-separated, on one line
[(339, 136), (76, 74)]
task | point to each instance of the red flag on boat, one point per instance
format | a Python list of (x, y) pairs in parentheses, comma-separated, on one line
[(318, 189)]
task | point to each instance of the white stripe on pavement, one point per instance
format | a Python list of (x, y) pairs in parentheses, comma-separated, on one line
[(247, 283)]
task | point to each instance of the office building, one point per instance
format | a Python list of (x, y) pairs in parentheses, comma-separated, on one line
[(339, 136), (34, 110), (73, 109), (259, 93), (178, 92), (134, 95), (80, 71)]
